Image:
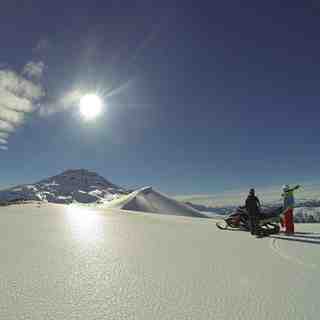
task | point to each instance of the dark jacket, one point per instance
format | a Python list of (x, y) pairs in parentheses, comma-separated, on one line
[(252, 205)]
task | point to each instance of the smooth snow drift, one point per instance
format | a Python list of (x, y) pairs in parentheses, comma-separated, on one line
[(149, 200), (67, 262)]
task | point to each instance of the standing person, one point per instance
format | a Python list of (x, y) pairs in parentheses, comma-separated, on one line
[(288, 205), (253, 206)]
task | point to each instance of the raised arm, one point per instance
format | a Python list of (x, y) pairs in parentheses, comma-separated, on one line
[(296, 187)]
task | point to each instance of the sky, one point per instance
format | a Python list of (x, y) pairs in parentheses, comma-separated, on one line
[(199, 97), (268, 195)]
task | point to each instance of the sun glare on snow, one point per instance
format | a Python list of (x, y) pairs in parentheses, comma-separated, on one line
[(85, 224), (90, 106)]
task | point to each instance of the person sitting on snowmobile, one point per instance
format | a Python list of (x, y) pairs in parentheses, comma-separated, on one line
[(253, 207)]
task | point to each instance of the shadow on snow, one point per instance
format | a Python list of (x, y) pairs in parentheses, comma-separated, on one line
[(304, 237)]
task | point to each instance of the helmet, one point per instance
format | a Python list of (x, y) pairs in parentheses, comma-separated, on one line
[(285, 188), (251, 191)]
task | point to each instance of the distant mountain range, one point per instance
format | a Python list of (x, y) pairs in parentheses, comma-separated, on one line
[(78, 185), (305, 210)]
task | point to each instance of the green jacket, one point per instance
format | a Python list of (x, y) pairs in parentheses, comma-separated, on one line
[(288, 198)]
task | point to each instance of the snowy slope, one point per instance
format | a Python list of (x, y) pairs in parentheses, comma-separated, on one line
[(68, 262), (149, 200), (72, 185)]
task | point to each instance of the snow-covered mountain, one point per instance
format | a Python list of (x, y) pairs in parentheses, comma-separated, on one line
[(78, 185)]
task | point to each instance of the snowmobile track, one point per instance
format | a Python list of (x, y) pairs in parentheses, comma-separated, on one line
[(275, 247)]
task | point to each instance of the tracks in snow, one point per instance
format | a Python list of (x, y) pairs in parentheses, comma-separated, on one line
[(275, 247)]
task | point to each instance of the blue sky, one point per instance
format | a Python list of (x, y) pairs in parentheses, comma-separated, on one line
[(199, 97)]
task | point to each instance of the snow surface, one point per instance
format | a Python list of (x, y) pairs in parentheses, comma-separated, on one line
[(70, 262), (148, 200)]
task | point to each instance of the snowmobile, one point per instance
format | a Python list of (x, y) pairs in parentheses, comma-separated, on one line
[(269, 220)]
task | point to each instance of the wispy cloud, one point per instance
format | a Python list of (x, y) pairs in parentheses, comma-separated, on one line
[(11, 116), (3, 147), (42, 45), (19, 93), (4, 135), (68, 100), (33, 70), (6, 126)]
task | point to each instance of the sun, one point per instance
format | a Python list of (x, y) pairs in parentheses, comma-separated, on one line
[(90, 106)]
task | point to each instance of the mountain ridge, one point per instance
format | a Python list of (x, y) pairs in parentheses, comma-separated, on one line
[(72, 185)]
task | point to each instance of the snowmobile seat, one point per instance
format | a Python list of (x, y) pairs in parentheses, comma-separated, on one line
[(268, 213)]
